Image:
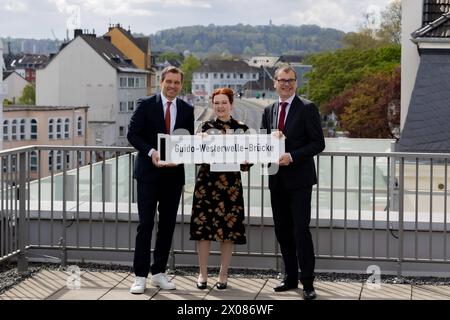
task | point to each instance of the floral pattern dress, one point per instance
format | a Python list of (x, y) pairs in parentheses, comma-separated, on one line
[(218, 203)]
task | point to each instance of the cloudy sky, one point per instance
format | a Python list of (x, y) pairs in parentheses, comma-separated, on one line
[(37, 19)]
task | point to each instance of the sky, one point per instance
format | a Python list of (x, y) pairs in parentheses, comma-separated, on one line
[(42, 19)]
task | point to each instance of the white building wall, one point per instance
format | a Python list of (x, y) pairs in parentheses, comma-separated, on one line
[(210, 83), (130, 96), (78, 76), (2, 91), (15, 84), (411, 21)]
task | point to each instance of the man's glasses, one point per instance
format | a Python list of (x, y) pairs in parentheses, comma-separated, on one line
[(286, 81)]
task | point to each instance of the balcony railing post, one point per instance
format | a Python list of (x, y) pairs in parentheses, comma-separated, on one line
[(401, 190), (63, 242), (22, 262)]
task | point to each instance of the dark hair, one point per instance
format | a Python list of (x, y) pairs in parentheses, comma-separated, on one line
[(171, 69), (226, 91), (285, 68)]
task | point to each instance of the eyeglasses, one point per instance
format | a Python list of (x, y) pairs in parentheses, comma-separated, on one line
[(286, 81)]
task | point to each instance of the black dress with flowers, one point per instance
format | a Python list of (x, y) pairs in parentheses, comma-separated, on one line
[(218, 203)]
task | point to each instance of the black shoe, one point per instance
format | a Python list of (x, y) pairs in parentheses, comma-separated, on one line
[(309, 294), (221, 285), (202, 285), (285, 286)]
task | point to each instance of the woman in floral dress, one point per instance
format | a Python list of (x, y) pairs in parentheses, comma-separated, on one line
[(218, 204)]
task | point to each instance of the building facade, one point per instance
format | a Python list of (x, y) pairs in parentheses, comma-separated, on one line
[(425, 82), (45, 125), (135, 48), (92, 71), (14, 83), (213, 74), (2, 88)]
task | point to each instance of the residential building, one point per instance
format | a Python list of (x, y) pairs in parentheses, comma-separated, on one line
[(24, 125), (425, 76), (2, 88), (92, 71), (214, 74), (135, 48), (15, 84)]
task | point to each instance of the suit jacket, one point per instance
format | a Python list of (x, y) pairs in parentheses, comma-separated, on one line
[(304, 140), (145, 124)]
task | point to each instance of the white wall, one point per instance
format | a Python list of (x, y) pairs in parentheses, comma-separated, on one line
[(15, 84), (411, 21), (78, 76), (198, 78)]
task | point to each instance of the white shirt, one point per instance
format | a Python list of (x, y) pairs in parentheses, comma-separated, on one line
[(173, 115), (173, 111)]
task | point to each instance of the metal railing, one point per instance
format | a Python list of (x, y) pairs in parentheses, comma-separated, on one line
[(388, 207)]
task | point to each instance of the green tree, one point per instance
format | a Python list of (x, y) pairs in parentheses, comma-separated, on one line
[(28, 95), (7, 102), (170, 56), (370, 108), (334, 72), (190, 64)]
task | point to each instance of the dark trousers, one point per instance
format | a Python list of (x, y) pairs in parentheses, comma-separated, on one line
[(149, 196), (292, 215)]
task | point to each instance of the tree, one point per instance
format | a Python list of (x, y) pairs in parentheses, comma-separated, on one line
[(28, 95), (334, 72), (371, 108), (371, 35), (190, 64), (361, 40), (391, 23), (169, 56), (7, 102)]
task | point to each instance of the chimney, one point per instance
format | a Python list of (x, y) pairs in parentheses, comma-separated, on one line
[(77, 32)]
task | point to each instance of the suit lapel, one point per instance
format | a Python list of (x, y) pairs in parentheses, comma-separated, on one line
[(159, 113), (179, 115), (274, 114), (293, 109)]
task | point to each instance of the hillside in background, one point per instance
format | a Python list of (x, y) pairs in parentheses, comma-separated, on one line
[(247, 40), (216, 40)]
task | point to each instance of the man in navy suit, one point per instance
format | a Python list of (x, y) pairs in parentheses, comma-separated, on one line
[(291, 186), (159, 184)]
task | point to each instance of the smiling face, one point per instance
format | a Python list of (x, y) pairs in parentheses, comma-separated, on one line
[(171, 85), (222, 107), (285, 84)]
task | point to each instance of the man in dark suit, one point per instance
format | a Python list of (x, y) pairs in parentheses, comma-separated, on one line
[(291, 186), (158, 183)]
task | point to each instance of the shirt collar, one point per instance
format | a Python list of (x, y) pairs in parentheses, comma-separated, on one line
[(289, 100), (164, 100)]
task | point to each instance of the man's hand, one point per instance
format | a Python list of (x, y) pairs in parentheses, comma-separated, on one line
[(278, 134), (170, 165), (155, 160), (285, 159)]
